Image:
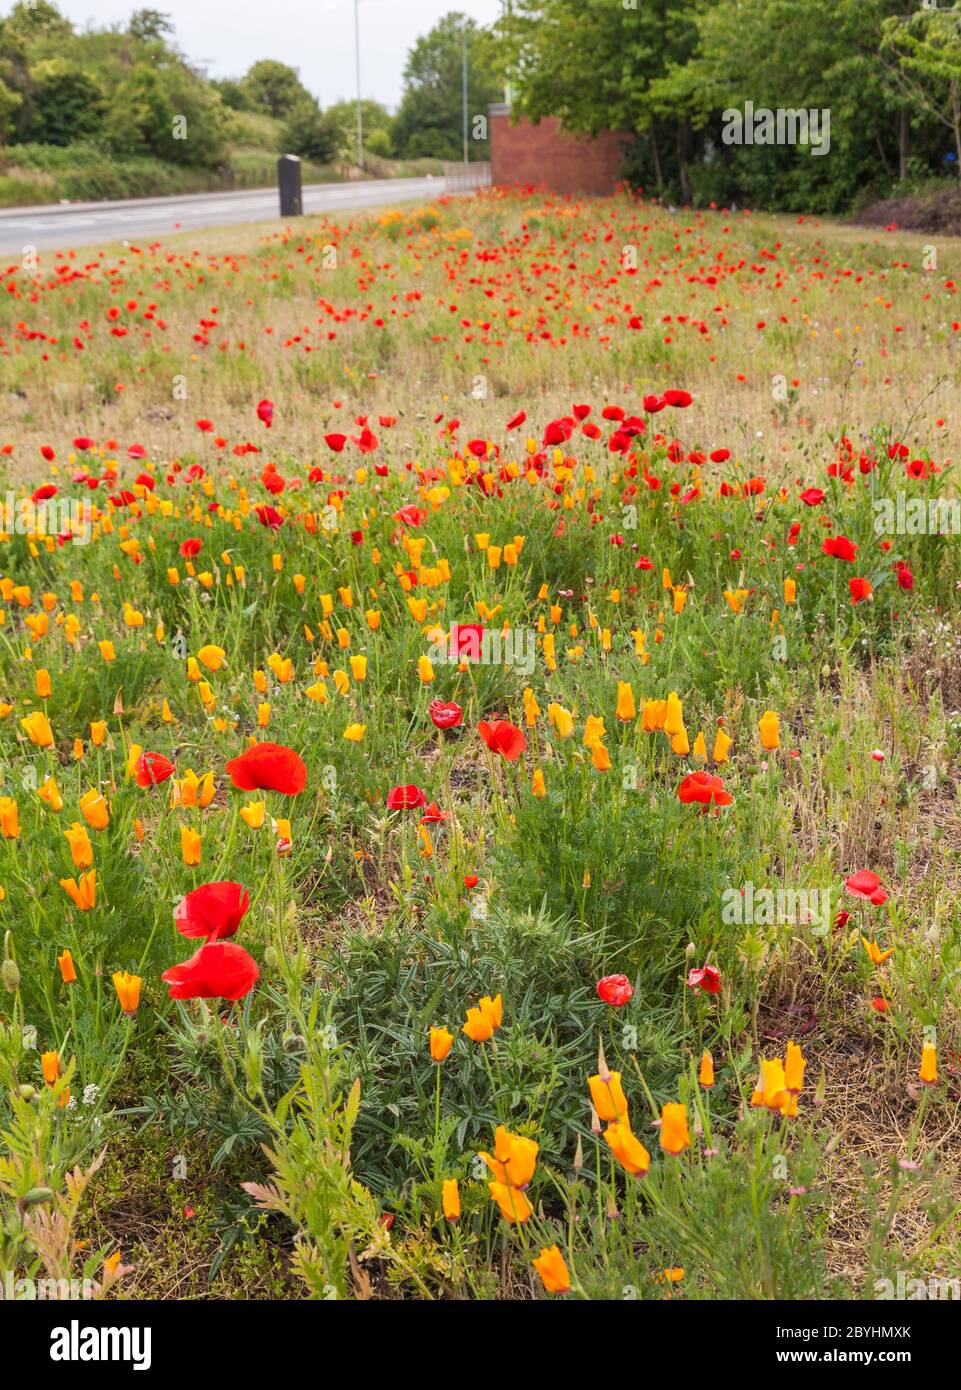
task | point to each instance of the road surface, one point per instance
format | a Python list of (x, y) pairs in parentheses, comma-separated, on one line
[(59, 226)]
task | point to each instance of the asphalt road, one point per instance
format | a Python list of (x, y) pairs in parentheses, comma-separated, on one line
[(59, 226)]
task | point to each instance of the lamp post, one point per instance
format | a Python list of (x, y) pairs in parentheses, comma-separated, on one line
[(360, 118), (465, 99), (360, 114)]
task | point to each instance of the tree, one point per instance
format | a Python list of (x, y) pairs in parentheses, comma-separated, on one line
[(429, 122), (150, 26), (275, 88), (167, 112), (313, 134), (68, 103), (922, 53)]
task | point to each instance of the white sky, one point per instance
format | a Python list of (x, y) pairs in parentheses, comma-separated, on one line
[(315, 36)]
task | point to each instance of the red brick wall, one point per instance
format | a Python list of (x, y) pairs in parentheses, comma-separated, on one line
[(545, 156)]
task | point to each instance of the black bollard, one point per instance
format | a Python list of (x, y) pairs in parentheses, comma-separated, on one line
[(288, 181)]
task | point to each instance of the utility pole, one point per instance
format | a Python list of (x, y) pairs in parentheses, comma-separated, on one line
[(360, 118), (466, 156)]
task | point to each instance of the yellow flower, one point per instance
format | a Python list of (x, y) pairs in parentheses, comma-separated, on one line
[(790, 591), (450, 1199), (513, 1204), (441, 1042), (190, 844), (607, 1096), (128, 990), (674, 1136), (628, 1150), (722, 744), (771, 1089), (626, 709), (673, 716), (37, 728), (44, 685), (107, 651), (425, 670), (49, 793), (212, 657), (514, 1158), (878, 957), (770, 731), (794, 1065), (94, 809), (83, 892), (50, 1065), (554, 1273), (538, 786), (355, 732), (67, 972), (600, 757), (253, 813), (928, 1071), (492, 1009), (562, 721), (706, 1074), (594, 730), (477, 1026), (81, 850), (9, 818)]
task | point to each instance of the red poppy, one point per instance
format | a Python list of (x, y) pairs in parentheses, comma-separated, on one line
[(335, 442), (153, 768), (860, 590), (269, 767), (214, 910), (445, 714), (467, 641), (812, 496), (866, 884), (265, 412), (615, 990), (705, 977), (501, 736), (190, 547), (702, 788), (471, 880), (840, 548), (433, 815), (219, 970), (517, 420), (405, 798)]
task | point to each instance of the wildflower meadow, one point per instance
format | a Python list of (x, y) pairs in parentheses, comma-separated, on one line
[(481, 709)]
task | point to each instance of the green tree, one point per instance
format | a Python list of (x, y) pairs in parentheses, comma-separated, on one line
[(429, 122), (275, 88), (165, 111), (313, 134), (922, 54), (150, 25), (68, 103)]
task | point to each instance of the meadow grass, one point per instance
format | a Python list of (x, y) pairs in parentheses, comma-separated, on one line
[(297, 461)]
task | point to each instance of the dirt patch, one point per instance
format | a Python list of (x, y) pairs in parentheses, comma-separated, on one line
[(937, 210)]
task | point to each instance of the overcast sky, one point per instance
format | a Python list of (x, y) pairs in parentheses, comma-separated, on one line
[(315, 36)]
